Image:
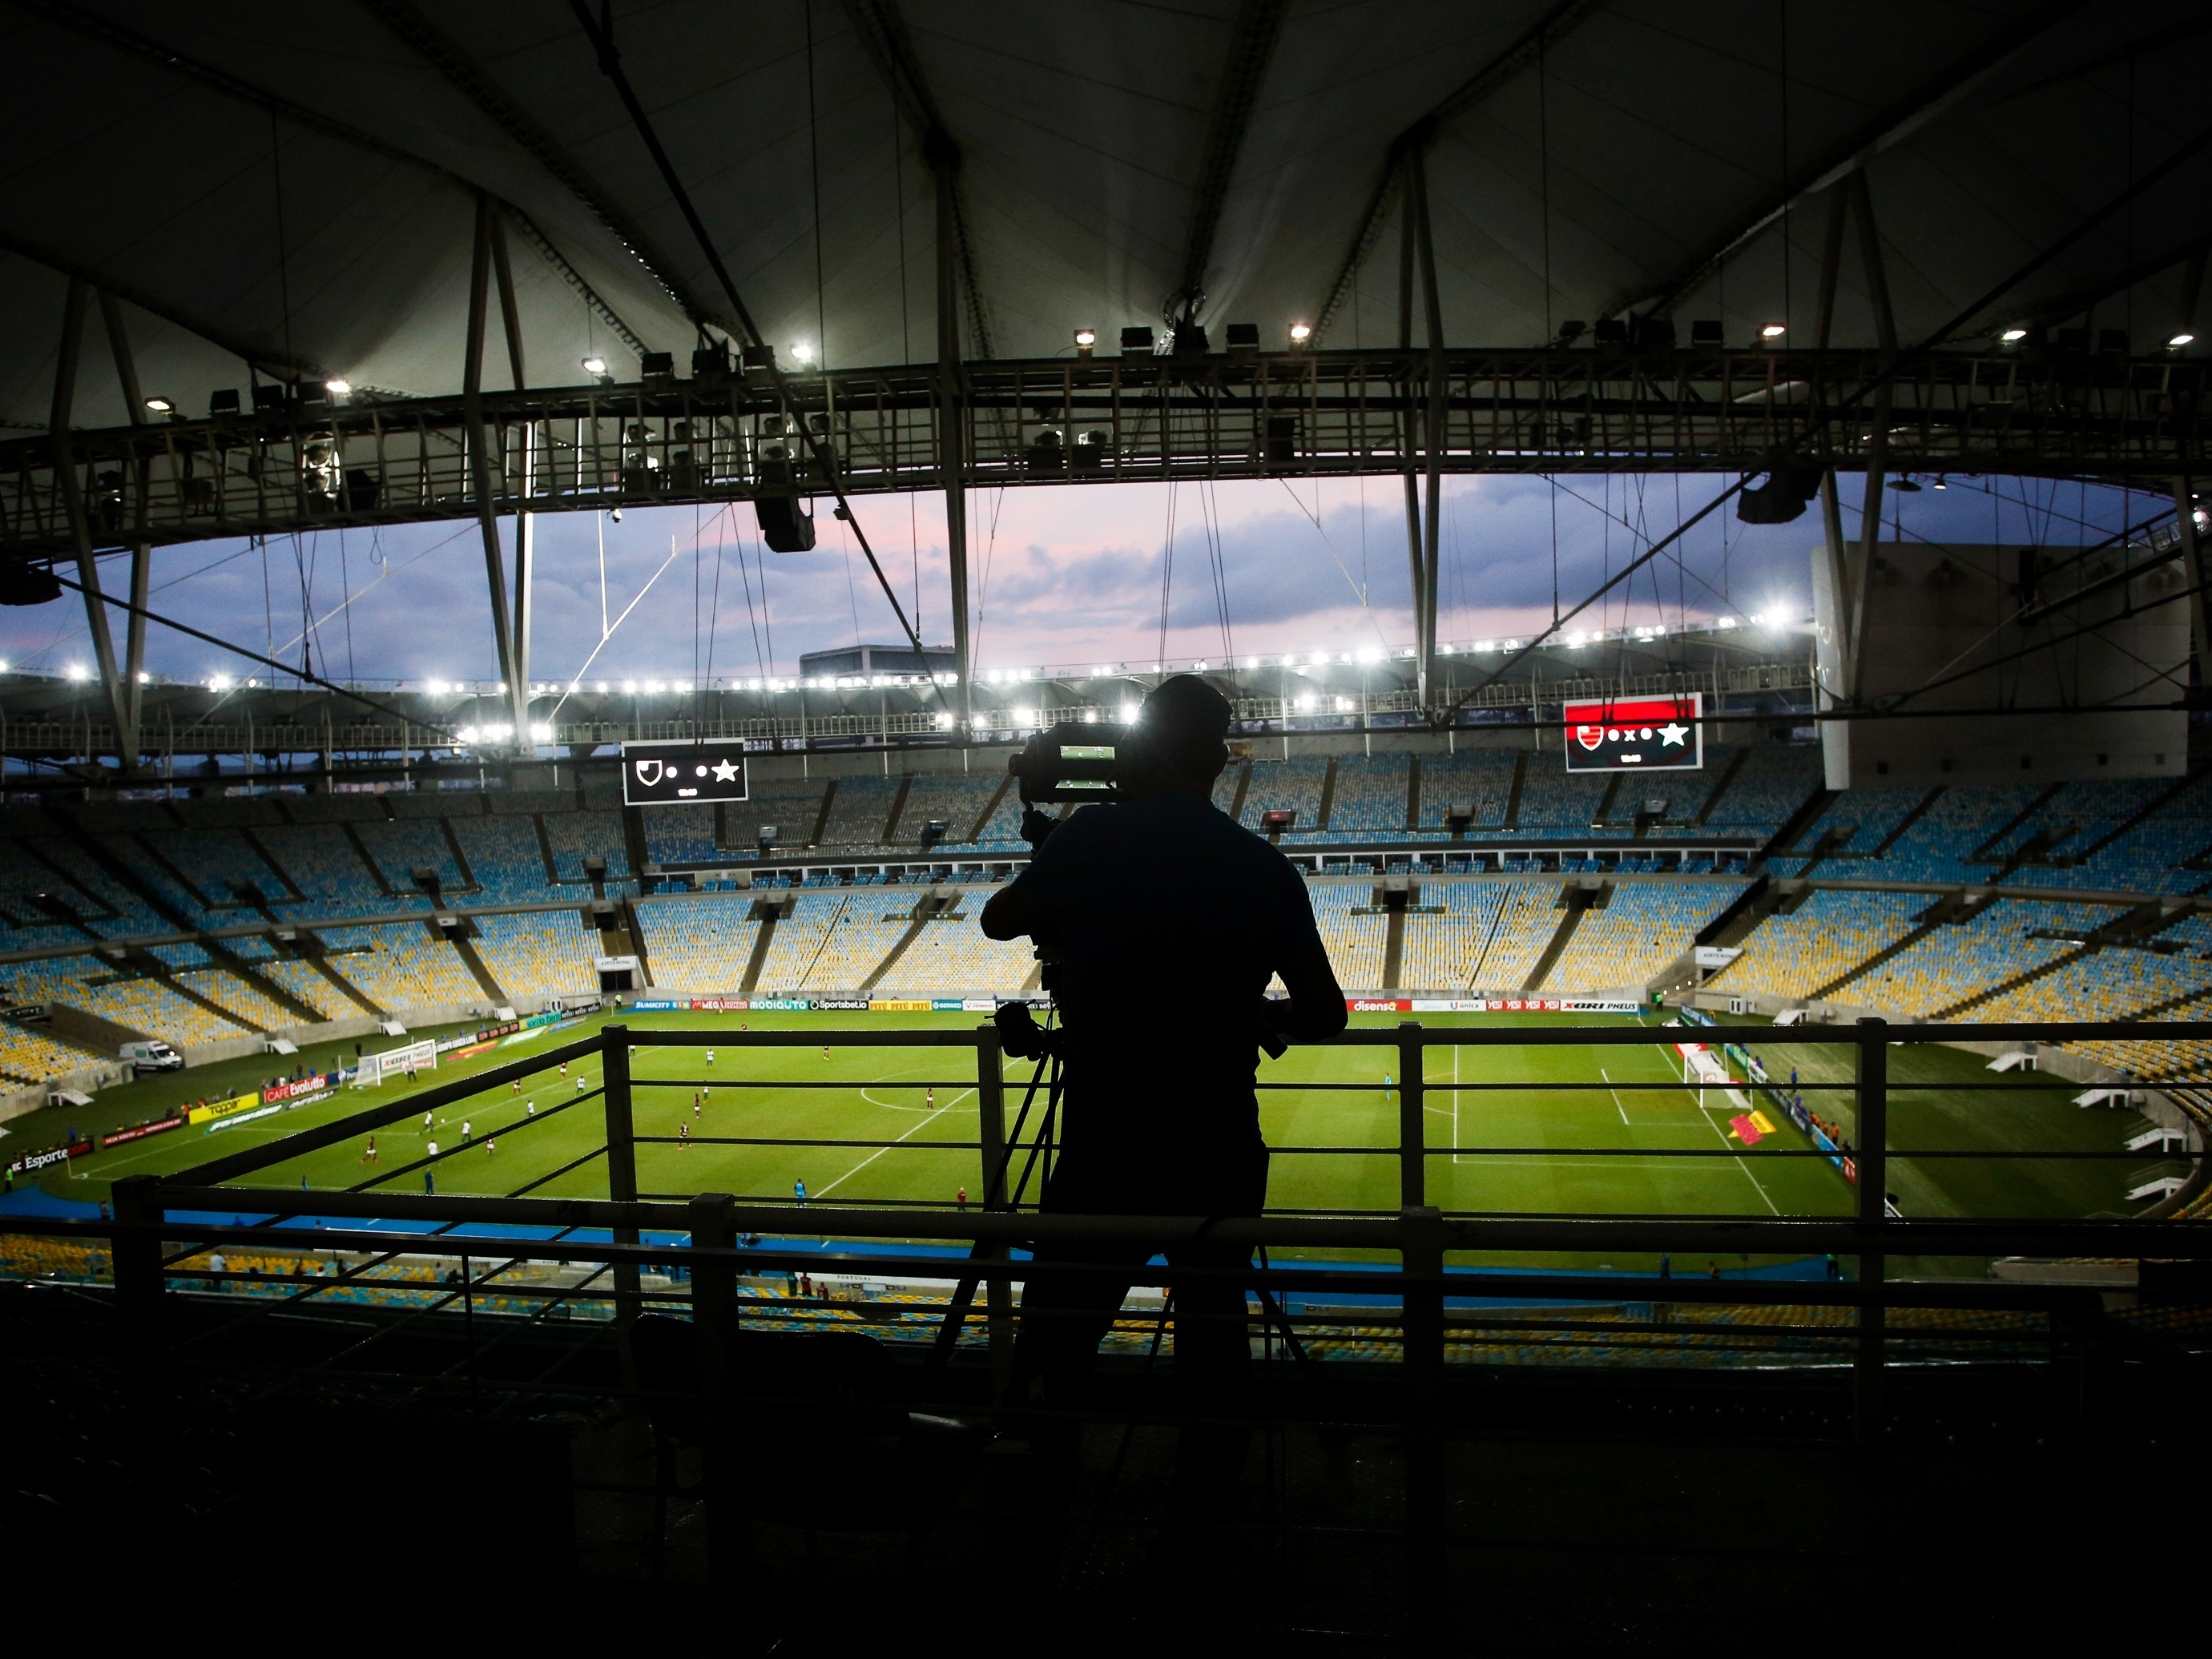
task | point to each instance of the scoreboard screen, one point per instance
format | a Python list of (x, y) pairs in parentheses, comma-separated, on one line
[(656, 773), (1635, 734)]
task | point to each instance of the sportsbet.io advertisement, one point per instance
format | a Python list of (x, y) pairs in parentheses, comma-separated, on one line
[(1635, 734)]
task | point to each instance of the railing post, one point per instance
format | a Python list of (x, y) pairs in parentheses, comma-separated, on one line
[(1871, 1163), (136, 1204), (714, 1323), (1412, 1118), (1421, 1257), (622, 1159), (990, 1110)]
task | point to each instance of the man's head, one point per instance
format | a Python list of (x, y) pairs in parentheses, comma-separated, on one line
[(1182, 726)]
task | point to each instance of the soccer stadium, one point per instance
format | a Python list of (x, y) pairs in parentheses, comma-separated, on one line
[(1723, 665)]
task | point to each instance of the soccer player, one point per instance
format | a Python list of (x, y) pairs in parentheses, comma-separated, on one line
[(430, 1173), (798, 1192), (1386, 1085), (515, 1087), (960, 1198), (564, 1065), (710, 1056), (425, 1123), (1160, 1114), (582, 1081), (491, 1145), (682, 1137), (368, 1152), (464, 1131)]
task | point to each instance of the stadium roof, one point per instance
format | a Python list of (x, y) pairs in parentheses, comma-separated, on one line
[(294, 187)]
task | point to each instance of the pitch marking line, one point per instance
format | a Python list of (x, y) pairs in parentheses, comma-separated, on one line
[(825, 1191), (1706, 1112)]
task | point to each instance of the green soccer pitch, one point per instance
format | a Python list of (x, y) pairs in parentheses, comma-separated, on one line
[(1509, 1149)]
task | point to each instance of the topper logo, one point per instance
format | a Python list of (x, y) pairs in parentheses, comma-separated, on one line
[(648, 771)]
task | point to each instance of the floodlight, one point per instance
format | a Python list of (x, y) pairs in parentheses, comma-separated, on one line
[(1025, 717), (1300, 332), (1774, 331), (338, 386), (76, 671), (1940, 483), (630, 688), (1085, 339), (802, 352), (2180, 340), (1128, 713), (160, 405), (2012, 335), (145, 678), (541, 731)]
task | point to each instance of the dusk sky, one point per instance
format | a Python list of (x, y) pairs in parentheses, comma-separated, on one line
[(1063, 576)]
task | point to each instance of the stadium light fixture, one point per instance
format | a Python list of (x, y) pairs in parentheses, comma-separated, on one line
[(1085, 339), (2178, 341), (145, 678), (160, 405), (541, 731), (1774, 331), (801, 352), (76, 671), (595, 366), (338, 386), (1091, 717), (1025, 717), (218, 682), (2013, 336), (1300, 333), (1942, 482), (1128, 713)]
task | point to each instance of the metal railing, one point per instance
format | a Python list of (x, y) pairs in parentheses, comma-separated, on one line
[(304, 466), (641, 1252)]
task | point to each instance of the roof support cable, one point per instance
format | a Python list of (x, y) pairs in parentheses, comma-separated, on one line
[(599, 32)]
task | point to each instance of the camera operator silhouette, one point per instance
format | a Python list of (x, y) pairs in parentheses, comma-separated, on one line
[(1162, 924)]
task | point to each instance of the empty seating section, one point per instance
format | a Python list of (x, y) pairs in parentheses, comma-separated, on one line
[(2148, 858), (1823, 938), (1481, 778), (72, 876), (801, 939), (1555, 800), (858, 815), (250, 1005), (1354, 942), (1943, 838), (1959, 959), (32, 924), (576, 836), (403, 846), (218, 862), (1370, 797), (1439, 949), (311, 987), (865, 926), (1859, 821), (1644, 927), (401, 966), (679, 834), (951, 957), (322, 863), (30, 1053), (952, 798), (698, 945), (1514, 941), (792, 805), (1774, 781), (2109, 984), (144, 1005), (503, 856), (1291, 785), (539, 953)]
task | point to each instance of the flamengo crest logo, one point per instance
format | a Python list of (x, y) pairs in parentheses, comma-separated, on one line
[(1639, 734)]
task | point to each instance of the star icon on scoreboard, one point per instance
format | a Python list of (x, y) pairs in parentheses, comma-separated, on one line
[(1673, 733), (726, 771)]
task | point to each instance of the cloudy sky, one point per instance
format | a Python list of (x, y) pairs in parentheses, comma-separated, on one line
[(1064, 577)]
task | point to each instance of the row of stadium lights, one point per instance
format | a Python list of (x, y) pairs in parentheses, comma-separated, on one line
[(1086, 340)]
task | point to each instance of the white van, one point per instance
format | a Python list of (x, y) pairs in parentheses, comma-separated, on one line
[(153, 1055)]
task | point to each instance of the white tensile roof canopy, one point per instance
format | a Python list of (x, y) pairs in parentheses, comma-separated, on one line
[(294, 187)]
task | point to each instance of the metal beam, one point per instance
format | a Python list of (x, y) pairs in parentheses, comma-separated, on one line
[(436, 48), (141, 550), (951, 436), (1434, 436), (1409, 428), (1252, 38), (1861, 567), (72, 493), (526, 535), (1901, 120), (163, 56), (1547, 32), (479, 446), (883, 33)]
